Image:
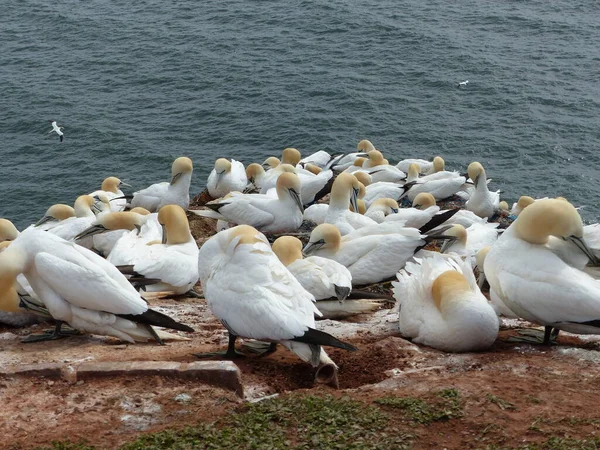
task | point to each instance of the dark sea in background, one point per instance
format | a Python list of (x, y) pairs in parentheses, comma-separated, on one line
[(137, 84)]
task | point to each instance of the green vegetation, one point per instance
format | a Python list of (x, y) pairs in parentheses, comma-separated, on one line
[(444, 406)]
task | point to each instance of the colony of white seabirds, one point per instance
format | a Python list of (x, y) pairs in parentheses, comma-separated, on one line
[(88, 266)]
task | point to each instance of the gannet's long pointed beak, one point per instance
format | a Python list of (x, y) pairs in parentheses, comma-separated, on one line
[(449, 240), (219, 178), (164, 234), (354, 200), (43, 220), (176, 177), (91, 231), (581, 245), (476, 180), (122, 183), (312, 247), (297, 200)]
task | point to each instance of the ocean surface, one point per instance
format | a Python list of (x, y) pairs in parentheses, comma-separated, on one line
[(137, 84)]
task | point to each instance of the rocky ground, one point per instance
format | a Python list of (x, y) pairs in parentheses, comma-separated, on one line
[(514, 395)]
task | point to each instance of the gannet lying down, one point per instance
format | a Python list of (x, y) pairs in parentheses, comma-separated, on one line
[(81, 288), (85, 205), (470, 240), (381, 208), (255, 296), (322, 277), (269, 214), (172, 265), (534, 282), (227, 176), (176, 192), (482, 202), (54, 215), (110, 188), (370, 258), (255, 175), (422, 211), (109, 228), (441, 306), (523, 202)]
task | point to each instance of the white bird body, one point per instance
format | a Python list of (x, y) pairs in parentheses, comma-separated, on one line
[(110, 189), (464, 218), (441, 185), (77, 286), (176, 192), (227, 176), (413, 217), (382, 208), (316, 213), (269, 214), (482, 202), (369, 259), (132, 242), (343, 163), (57, 129), (347, 221), (320, 158), (536, 284), (322, 277), (441, 306), (384, 173), (470, 240), (382, 189), (254, 295), (424, 165)]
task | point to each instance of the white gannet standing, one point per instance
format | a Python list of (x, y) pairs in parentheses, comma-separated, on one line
[(441, 306), (255, 296), (176, 192), (381, 208), (370, 258), (536, 284), (482, 202), (227, 176), (344, 192), (58, 129), (81, 288), (269, 214), (54, 215), (323, 278), (111, 188)]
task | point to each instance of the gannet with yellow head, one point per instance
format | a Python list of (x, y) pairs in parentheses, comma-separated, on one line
[(175, 192), (442, 307), (227, 176), (255, 296)]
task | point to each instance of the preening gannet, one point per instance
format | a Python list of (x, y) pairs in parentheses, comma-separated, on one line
[(227, 176)]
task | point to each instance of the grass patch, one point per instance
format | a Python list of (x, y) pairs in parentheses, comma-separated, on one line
[(293, 422), (445, 405)]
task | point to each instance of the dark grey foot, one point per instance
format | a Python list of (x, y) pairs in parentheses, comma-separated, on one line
[(192, 293), (51, 335), (231, 352)]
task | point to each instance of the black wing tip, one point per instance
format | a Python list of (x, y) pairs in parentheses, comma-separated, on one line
[(317, 337), (62, 138), (152, 317), (437, 220)]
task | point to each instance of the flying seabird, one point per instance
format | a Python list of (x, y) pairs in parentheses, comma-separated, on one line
[(58, 129)]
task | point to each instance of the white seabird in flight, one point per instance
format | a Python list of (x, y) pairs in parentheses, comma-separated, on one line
[(58, 130)]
